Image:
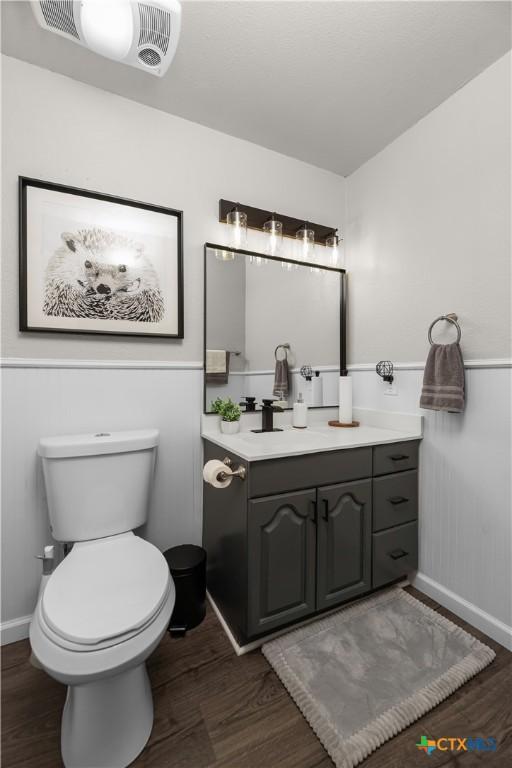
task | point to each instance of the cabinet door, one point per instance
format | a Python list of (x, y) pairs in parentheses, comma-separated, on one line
[(344, 542), (281, 555)]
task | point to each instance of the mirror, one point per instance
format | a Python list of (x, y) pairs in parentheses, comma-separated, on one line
[(262, 309)]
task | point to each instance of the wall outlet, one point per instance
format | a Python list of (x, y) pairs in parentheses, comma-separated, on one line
[(391, 389)]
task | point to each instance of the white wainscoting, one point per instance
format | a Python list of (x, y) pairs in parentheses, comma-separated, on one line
[(465, 493), (44, 399)]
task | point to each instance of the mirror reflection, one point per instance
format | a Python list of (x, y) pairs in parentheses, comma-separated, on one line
[(272, 330)]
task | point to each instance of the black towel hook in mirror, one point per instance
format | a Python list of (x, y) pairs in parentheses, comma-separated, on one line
[(451, 318)]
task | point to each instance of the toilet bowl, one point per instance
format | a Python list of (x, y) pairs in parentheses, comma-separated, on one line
[(106, 606)]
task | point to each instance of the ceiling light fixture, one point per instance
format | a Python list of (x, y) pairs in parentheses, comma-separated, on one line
[(141, 34)]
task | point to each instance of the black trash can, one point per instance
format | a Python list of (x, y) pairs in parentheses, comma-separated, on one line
[(187, 564)]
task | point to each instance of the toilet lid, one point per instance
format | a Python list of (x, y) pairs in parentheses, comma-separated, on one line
[(105, 588)]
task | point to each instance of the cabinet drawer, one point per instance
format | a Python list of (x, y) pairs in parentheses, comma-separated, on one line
[(395, 553), (309, 471), (395, 457), (395, 499)]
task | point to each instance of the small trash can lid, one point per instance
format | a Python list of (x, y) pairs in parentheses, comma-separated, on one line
[(186, 557)]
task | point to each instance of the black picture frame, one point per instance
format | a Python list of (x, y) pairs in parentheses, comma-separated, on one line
[(24, 183)]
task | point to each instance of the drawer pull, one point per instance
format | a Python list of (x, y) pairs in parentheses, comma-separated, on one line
[(397, 500), (396, 554), (399, 457)]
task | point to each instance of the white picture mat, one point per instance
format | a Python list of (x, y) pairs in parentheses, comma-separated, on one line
[(49, 213)]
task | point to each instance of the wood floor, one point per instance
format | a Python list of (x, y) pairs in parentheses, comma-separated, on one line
[(215, 709)]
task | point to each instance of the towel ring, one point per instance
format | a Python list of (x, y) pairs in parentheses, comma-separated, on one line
[(451, 318), (282, 346)]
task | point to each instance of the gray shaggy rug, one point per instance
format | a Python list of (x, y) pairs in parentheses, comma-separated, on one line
[(363, 674)]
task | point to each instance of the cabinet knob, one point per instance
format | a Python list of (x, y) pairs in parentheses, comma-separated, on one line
[(397, 500), (399, 457)]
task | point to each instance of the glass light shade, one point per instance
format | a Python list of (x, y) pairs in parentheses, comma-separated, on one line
[(107, 27), (274, 229), (333, 244), (237, 220), (305, 243)]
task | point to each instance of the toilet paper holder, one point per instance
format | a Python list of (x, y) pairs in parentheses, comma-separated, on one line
[(240, 471)]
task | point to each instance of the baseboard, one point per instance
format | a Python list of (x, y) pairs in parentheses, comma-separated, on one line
[(483, 621), (14, 630)]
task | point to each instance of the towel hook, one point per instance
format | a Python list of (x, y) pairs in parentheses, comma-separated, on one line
[(282, 346), (451, 318)]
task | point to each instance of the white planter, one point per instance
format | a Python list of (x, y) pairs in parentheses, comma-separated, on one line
[(229, 427)]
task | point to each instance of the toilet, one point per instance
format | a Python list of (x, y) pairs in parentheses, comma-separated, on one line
[(108, 604)]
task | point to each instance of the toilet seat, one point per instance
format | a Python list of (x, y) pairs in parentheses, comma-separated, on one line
[(104, 592)]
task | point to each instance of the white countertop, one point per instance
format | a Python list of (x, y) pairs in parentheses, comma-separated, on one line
[(376, 427)]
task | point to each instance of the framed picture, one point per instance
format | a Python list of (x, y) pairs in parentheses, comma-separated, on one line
[(93, 263)]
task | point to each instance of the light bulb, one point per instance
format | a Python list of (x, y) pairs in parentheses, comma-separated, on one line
[(238, 224), (306, 242), (107, 26), (274, 230), (333, 244)]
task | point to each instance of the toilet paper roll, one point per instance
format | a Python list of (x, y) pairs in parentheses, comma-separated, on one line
[(212, 470), (345, 401)]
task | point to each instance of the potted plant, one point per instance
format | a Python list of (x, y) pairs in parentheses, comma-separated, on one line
[(229, 413)]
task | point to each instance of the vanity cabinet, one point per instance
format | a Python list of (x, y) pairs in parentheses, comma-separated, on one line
[(304, 534)]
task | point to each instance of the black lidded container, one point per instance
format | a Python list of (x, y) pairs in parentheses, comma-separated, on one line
[(187, 564)]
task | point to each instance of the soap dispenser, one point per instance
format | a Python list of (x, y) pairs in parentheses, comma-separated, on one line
[(300, 413)]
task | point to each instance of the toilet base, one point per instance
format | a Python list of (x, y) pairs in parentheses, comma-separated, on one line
[(106, 724)]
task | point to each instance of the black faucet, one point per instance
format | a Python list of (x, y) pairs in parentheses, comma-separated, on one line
[(267, 417), (249, 403)]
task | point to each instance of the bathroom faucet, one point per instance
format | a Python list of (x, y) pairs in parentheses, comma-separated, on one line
[(267, 417)]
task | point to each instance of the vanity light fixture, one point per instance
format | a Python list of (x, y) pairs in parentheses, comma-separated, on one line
[(305, 242), (274, 229), (237, 220), (332, 242)]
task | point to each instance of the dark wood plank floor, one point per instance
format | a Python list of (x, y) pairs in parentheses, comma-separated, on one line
[(215, 709)]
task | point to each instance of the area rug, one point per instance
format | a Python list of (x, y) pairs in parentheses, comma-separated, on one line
[(365, 673)]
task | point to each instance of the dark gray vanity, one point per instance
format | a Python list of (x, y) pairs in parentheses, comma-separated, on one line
[(315, 517), (306, 533)]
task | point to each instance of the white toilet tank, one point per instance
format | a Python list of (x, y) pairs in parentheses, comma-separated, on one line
[(98, 485)]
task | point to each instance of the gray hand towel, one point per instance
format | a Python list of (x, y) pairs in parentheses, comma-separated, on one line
[(281, 379), (443, 380), (217, 366)]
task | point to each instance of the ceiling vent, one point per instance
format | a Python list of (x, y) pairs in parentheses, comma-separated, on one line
[(143, 35)]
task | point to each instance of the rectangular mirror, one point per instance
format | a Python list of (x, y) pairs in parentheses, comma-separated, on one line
[(262, 309)]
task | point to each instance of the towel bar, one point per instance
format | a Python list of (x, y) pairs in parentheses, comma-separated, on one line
[(451, 318), (284, 347)]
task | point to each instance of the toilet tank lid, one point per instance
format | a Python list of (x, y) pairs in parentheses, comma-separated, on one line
[(66, 446)]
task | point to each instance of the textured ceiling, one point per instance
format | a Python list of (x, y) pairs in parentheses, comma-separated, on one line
[(331, 83)]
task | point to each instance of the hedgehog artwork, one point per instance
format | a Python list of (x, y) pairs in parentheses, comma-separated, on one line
[(102, 275)]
